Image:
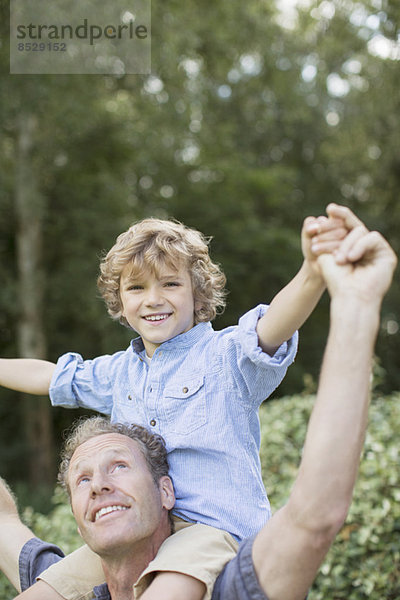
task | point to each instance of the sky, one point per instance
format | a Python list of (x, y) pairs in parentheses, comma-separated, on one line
[(378, 44)]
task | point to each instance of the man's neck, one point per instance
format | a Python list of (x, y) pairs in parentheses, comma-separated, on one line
[(122, 570)]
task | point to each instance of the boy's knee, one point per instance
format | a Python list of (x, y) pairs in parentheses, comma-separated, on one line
[(174, 586)]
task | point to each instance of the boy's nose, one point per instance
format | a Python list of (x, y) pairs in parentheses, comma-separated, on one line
[(153, 297)]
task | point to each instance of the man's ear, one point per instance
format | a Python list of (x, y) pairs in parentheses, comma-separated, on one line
[(79, 531), (167, 492)]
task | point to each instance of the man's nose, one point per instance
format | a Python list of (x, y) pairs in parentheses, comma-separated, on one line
[(100, 484)]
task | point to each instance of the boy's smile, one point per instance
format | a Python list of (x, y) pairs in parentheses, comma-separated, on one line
[(159, 306)]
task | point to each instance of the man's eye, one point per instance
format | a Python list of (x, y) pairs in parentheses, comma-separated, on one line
[(82, 480), (119, 466)]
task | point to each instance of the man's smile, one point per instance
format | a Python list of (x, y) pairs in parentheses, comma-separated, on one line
[(105, 510)]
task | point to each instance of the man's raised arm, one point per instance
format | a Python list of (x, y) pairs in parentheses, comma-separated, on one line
[(14, 534), (288, 552)]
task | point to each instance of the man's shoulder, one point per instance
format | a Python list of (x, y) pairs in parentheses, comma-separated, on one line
[(238, 580), (35, 557)]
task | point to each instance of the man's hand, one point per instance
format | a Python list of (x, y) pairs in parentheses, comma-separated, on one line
[(363, 264)]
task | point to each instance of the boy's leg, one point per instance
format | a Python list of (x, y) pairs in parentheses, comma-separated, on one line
[(75, 576), (189, 561), (174, 586), (39, 591), (13, 535)]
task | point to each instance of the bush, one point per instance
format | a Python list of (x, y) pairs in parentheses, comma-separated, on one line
[(364, 562), (58, 527)]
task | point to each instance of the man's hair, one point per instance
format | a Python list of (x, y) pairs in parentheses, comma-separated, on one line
[(151, 445), (155, 243)]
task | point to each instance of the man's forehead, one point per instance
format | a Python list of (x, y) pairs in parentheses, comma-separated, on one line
[(105, 444)]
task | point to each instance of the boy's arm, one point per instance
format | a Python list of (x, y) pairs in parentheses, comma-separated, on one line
[(292, 306), (14, 534), (27, 375)]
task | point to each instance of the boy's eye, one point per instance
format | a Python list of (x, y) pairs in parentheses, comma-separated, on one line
[(172, 284), (134, 286)]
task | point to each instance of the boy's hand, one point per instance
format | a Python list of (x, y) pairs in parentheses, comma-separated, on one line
[(321, 235)]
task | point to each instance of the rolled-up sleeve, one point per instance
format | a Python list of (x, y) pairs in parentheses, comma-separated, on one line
[(258, 373), (84, 383), (35, 557), (238, 580)]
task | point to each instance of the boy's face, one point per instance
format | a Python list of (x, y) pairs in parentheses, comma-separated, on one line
[(158, 306)]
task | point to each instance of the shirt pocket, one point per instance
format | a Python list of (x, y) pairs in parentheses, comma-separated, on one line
[(184, 406)]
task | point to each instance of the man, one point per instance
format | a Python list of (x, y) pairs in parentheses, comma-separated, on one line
[(280, 562)]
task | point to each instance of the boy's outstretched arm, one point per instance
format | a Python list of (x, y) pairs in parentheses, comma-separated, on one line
[(292, 306), (27, 375)]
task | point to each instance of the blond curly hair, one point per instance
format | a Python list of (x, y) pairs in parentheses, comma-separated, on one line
[(154, 243)]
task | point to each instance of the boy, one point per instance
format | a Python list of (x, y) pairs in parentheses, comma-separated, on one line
[(199, 388)]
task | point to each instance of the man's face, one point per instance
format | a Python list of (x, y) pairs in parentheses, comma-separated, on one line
[(158, 306), (114, 499)]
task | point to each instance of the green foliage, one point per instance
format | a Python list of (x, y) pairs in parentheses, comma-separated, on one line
[(235, 132), (364, 562), (58, 527)]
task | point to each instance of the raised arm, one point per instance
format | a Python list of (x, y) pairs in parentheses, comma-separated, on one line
[(290, 549), (292, 306), (14, 534), (28, 375)]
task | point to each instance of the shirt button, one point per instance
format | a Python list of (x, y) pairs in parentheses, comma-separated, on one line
[(129, 397), (153, 422), (185, 390)]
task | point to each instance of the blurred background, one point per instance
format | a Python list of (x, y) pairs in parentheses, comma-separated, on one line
[(256, 114)]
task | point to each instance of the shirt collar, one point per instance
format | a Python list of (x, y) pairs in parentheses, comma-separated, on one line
[(183, 340)]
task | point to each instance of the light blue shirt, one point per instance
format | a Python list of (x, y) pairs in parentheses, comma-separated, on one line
[(201, 392)]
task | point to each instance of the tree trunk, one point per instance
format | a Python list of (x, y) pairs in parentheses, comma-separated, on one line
[(30, 207)]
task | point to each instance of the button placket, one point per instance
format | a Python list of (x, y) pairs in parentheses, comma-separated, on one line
[(152, 398)]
